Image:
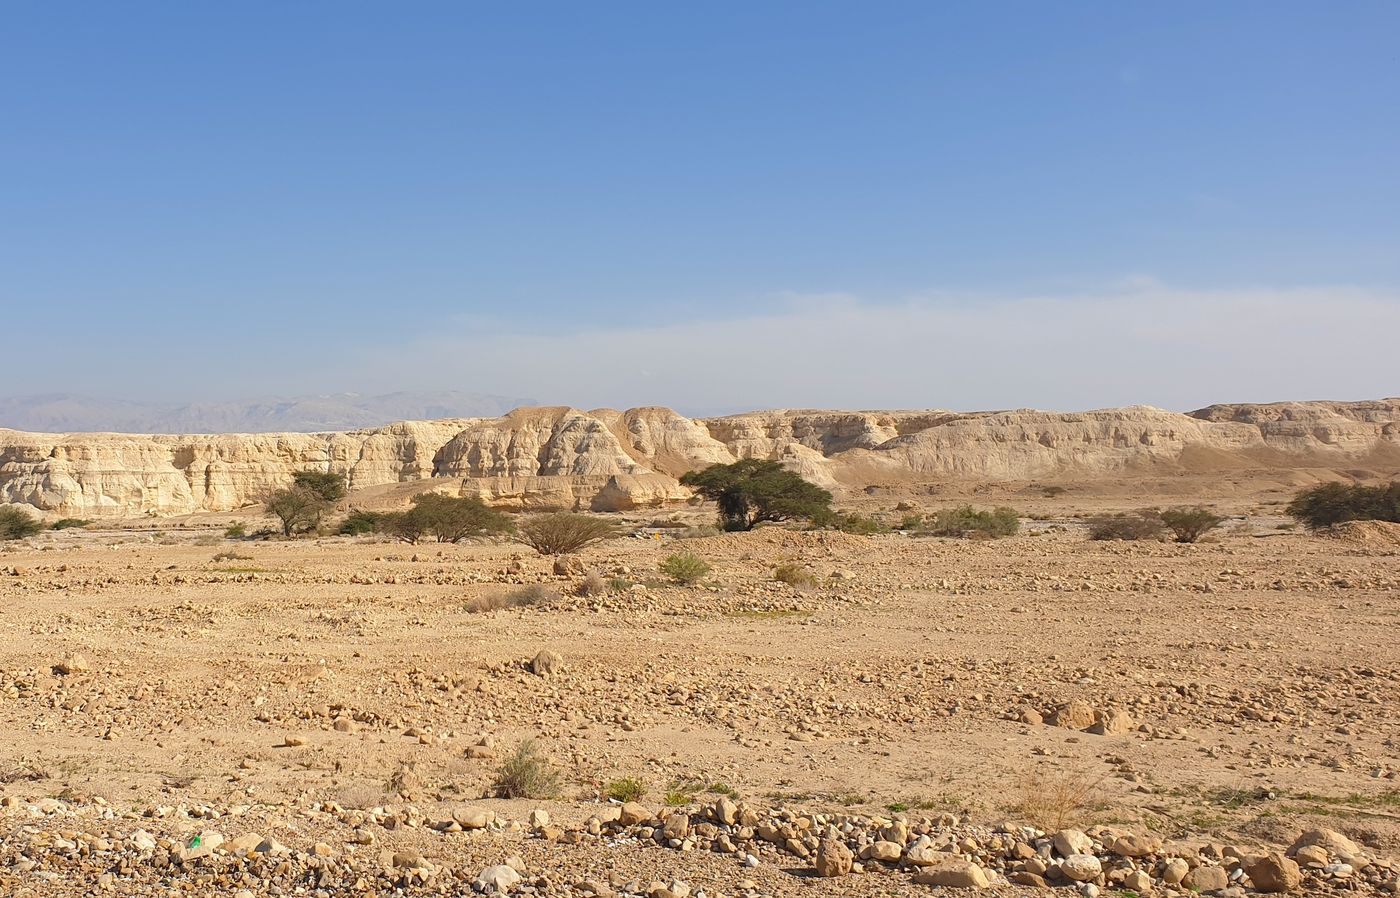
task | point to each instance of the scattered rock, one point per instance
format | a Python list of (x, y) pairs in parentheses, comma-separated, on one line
[(1274, 872), (954, 874), (833, 858), (497, 878)]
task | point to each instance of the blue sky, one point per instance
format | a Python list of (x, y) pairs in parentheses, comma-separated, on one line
[(188, 190)]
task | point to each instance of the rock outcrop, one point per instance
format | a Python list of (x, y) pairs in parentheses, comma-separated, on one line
[(614, 460)]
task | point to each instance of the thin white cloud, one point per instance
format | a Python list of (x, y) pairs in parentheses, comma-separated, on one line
[(1144, 343)]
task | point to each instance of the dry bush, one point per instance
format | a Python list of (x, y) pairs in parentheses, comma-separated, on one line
[(592, 584), (1137, 525), (524, 597), (795, 575), (563, 533), (16, 523), (1053, 798), (526, 774), (232, 556)]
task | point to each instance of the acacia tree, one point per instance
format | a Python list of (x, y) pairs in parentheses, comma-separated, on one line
[(299, 508), (448, 519), (329, 486), (1334, 503), (1190, 524), (751, 491)]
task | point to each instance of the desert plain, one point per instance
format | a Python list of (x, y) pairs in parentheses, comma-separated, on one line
[(183, 713)]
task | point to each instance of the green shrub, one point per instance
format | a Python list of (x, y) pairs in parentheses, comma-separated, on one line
[(563, 533), (624, 790), (1134, 525), (620, 584), (751, 491), (911, 522), (16, 523), (235, 531), (1190, 524), (526, 774), (360, 522), (966, 521), (1335, 503), (69, 523), (859, 524), (795, 575), (685, 568)]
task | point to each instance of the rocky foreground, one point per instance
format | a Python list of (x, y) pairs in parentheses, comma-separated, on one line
[(184, 714), (57, 847)]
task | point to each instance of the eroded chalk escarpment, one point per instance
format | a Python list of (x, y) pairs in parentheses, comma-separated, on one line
[(609, 459)]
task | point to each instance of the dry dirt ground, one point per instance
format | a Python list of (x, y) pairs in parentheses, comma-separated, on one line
[(342, 698)]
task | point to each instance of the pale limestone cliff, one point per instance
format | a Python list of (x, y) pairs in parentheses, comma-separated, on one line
[(611, 460)]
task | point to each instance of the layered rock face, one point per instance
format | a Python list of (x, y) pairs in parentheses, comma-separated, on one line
[(613, 460)]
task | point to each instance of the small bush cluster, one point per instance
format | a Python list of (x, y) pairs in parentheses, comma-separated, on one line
[(16, 523), (966, 521), (1336, 503), (563, 533), (526, 773), (1126, 525), (69, 523), (862, 525), (1187, 525), (235, 531)]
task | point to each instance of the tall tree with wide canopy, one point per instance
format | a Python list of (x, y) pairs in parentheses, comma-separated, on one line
[(751, 491)]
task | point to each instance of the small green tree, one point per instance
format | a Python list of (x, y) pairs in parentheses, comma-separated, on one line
[(751, 491), (297, 507), (16, 523), (330, 487), (1190, 524)]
